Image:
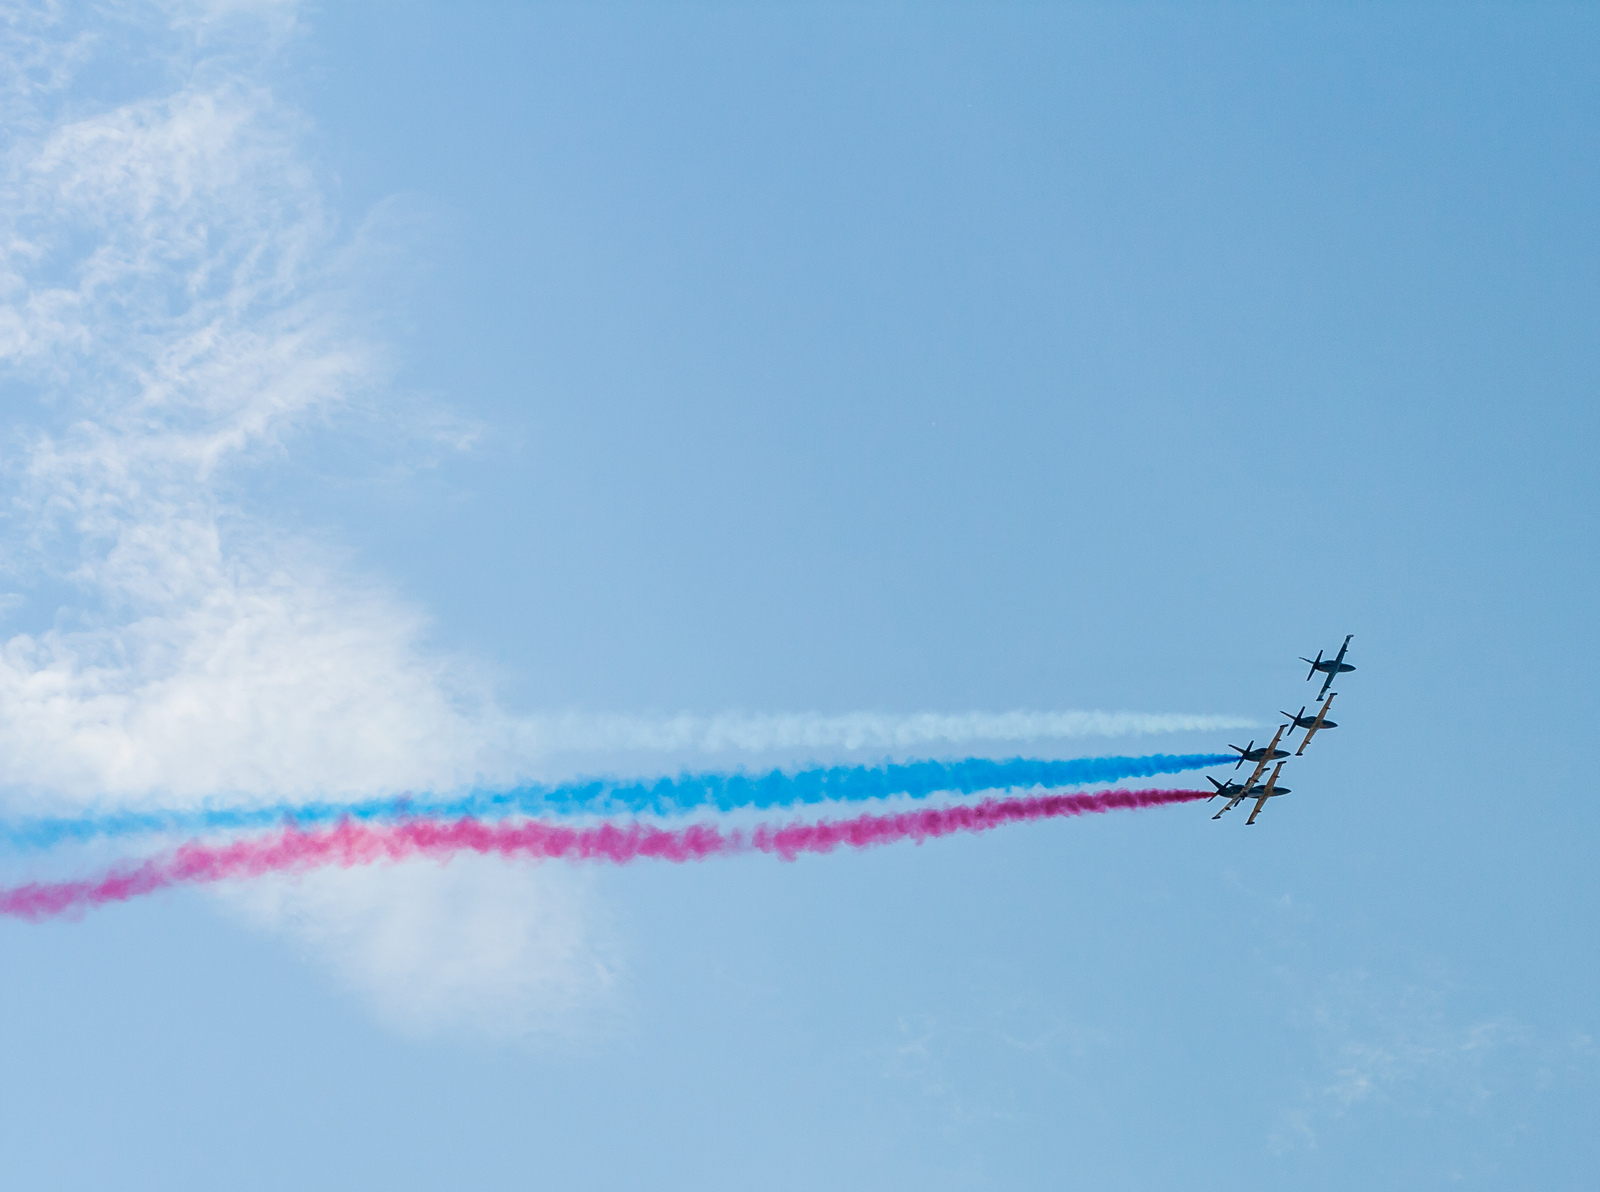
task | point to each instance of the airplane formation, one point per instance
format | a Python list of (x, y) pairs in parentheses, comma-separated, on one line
[(1236, 792)]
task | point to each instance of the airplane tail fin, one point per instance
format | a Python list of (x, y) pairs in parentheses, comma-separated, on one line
[(1214, 783), (1314, 666)]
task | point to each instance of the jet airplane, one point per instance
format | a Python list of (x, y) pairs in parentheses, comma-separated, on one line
[(1329, 667), (1236, 792), (1231, 791), (1312, 724), (1264, 755), (1272, 788), (1225, 789)]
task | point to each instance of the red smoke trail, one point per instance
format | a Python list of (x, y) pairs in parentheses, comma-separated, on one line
[(294, 851)]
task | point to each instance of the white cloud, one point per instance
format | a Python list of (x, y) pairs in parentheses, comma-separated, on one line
[(264, 685)]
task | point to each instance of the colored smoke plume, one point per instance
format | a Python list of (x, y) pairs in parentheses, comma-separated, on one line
[(664, 796), (295, 851)]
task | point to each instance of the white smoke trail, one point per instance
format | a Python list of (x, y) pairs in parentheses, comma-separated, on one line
[(778, 731)]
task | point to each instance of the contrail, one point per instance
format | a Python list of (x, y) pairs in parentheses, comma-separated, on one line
[(755, 732), (295, 851), (665, 796)]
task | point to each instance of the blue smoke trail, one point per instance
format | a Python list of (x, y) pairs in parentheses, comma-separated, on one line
[(662, 796)]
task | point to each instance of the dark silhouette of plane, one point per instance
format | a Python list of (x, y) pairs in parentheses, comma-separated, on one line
[(1236, 793), (1312, 724), (1267, 753), (1332, 667), (1226, 789)]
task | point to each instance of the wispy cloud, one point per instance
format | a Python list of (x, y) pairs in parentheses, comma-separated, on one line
[(1406, 1049), (170, 287)]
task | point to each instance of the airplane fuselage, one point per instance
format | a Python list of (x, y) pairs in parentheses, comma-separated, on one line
[(1236, 794), (1330, 666), (1256, 755)]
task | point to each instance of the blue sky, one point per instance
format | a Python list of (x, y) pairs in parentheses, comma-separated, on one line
[(401, 396)]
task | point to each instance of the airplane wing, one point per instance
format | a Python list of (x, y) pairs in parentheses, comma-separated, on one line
[(1266, 793), (1322, 715)]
